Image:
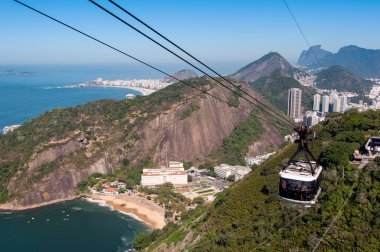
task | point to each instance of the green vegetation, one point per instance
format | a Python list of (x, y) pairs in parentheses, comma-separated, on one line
[(175, 203), (249, 216), (235, 146), (275, 89), (193, 107), (337, 77), (111, 119)]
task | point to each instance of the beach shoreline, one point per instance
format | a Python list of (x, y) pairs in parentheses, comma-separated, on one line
[(12, 208), (143, 91), (135, 206)]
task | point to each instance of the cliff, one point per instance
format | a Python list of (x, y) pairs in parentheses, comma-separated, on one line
[(46, 158)]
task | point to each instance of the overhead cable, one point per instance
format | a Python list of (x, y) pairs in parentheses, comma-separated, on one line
[(144, 63), (197, 68)]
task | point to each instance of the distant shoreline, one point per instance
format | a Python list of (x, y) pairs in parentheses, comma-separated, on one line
[(143, 91), (9, 207)]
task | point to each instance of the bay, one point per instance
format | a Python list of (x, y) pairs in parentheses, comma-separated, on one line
[(23, 97), (76, 225)]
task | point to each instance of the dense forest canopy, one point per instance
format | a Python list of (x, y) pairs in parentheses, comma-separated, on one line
[(249, 216)]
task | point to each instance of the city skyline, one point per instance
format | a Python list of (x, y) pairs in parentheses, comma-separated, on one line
[(222, 34)]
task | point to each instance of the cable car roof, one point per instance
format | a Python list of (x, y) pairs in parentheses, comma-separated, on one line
[(300, 170)]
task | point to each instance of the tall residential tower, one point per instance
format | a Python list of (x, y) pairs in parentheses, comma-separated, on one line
[(294, 103), (317, 102)]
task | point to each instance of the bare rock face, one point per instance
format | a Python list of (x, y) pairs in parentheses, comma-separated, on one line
[(193, 137), (188, 131)]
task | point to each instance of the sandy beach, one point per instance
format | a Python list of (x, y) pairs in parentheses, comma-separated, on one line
[(146, 210), (143, 91)]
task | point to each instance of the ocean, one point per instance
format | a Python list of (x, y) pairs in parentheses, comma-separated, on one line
[(72, 226), (88, 227), (23, 97)]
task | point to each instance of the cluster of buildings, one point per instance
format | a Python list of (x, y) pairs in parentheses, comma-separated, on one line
[(154, 84), (173, 173), (11, 128), (330, 103), (322, 104), (224, 171), (109, 188)]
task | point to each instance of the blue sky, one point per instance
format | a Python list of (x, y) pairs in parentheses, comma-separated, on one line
[(219, 32)]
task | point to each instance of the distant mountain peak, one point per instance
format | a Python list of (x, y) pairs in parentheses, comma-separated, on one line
[(264, 67), (360, 61), (180, 75), (307, 57)]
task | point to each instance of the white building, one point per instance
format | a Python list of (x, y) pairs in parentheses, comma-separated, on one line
[(294, 103), (130, 96), (158, 176), (224, 171), (317, 102), (325, 104), (343, 103), (175, 164), (11, 128), (337, 105), (311, 118)]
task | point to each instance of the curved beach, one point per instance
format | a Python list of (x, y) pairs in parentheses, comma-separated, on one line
[(136, 206)]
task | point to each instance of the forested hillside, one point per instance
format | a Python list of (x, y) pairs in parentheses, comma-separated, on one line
[(46, 158), (249, 216), (275, 89)]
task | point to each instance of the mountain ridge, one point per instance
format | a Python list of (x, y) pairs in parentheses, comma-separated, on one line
[(264, 66), (360, 61)]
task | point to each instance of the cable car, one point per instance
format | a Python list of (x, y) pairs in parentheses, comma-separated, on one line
[(300, 180), (373, 146), (369, 151)]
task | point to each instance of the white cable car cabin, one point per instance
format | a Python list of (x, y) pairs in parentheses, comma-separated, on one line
[(300, 180), (373, 145), (298, 184)]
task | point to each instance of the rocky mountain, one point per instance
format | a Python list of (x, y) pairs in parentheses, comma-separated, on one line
[(265, 67), (181, 75), (337, 77), (360, 61), (44, 159), (308, 58)]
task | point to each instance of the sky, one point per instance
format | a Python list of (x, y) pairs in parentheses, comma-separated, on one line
[(223, 34)]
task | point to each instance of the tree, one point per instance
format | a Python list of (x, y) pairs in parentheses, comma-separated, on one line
[(99, 187), (142, 240), (187, 165), (231, 178), (198, 201), (125, 162)]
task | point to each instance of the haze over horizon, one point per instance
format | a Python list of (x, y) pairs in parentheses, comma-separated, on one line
[(220, 33)]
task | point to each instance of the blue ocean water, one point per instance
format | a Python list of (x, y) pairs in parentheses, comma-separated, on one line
[(23, 97), (69, 226)]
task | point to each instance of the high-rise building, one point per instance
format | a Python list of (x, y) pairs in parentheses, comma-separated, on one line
[(343, 103), (325, 103), (317, 102), (310, 118), (294, 103), (337, 106)]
